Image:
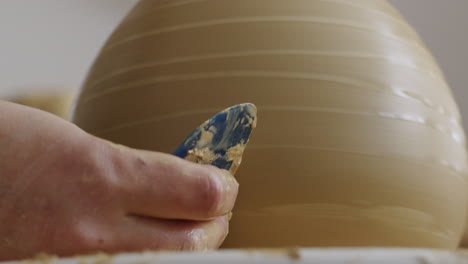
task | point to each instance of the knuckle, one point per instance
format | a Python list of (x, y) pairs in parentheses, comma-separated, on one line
[(93, 171), (224, 232), (221, 238)]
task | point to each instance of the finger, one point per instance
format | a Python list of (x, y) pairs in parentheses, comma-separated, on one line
[(140, 233), (163, 186)]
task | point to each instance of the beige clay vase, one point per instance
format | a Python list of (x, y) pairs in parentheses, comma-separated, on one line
[(359, 140)]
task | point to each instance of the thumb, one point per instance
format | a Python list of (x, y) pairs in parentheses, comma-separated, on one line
[(159, 185)]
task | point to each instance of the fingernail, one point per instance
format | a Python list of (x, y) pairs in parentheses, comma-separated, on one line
[(231, 186), (216, 234), (200, 240), (229, 216), (231, 182)]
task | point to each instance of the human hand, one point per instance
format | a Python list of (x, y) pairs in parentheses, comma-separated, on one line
[(65, 192)]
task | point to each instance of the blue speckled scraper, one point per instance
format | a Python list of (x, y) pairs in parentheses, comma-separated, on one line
[(221, 140)]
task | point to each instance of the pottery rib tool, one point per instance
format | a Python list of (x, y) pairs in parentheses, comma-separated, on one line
[(221, 140)]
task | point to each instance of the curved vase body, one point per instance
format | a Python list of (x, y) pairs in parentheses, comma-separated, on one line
[(359, 140)]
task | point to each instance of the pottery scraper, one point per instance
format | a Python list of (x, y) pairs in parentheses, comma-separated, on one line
[(221, 140)]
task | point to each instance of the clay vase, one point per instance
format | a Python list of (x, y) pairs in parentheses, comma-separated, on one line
[(358, 143)]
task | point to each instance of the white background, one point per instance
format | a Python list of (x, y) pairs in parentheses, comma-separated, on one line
[(50, 44)]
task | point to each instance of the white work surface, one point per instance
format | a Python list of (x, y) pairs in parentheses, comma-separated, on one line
[(319, 256)]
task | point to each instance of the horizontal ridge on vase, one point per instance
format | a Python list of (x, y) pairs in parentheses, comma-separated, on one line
[(359, 141)]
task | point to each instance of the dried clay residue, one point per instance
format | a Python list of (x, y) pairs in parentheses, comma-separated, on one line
[(100, 258), (252, 119), (43, 258), (294, 254), (234, 154), (201, 156), (206, 136)]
